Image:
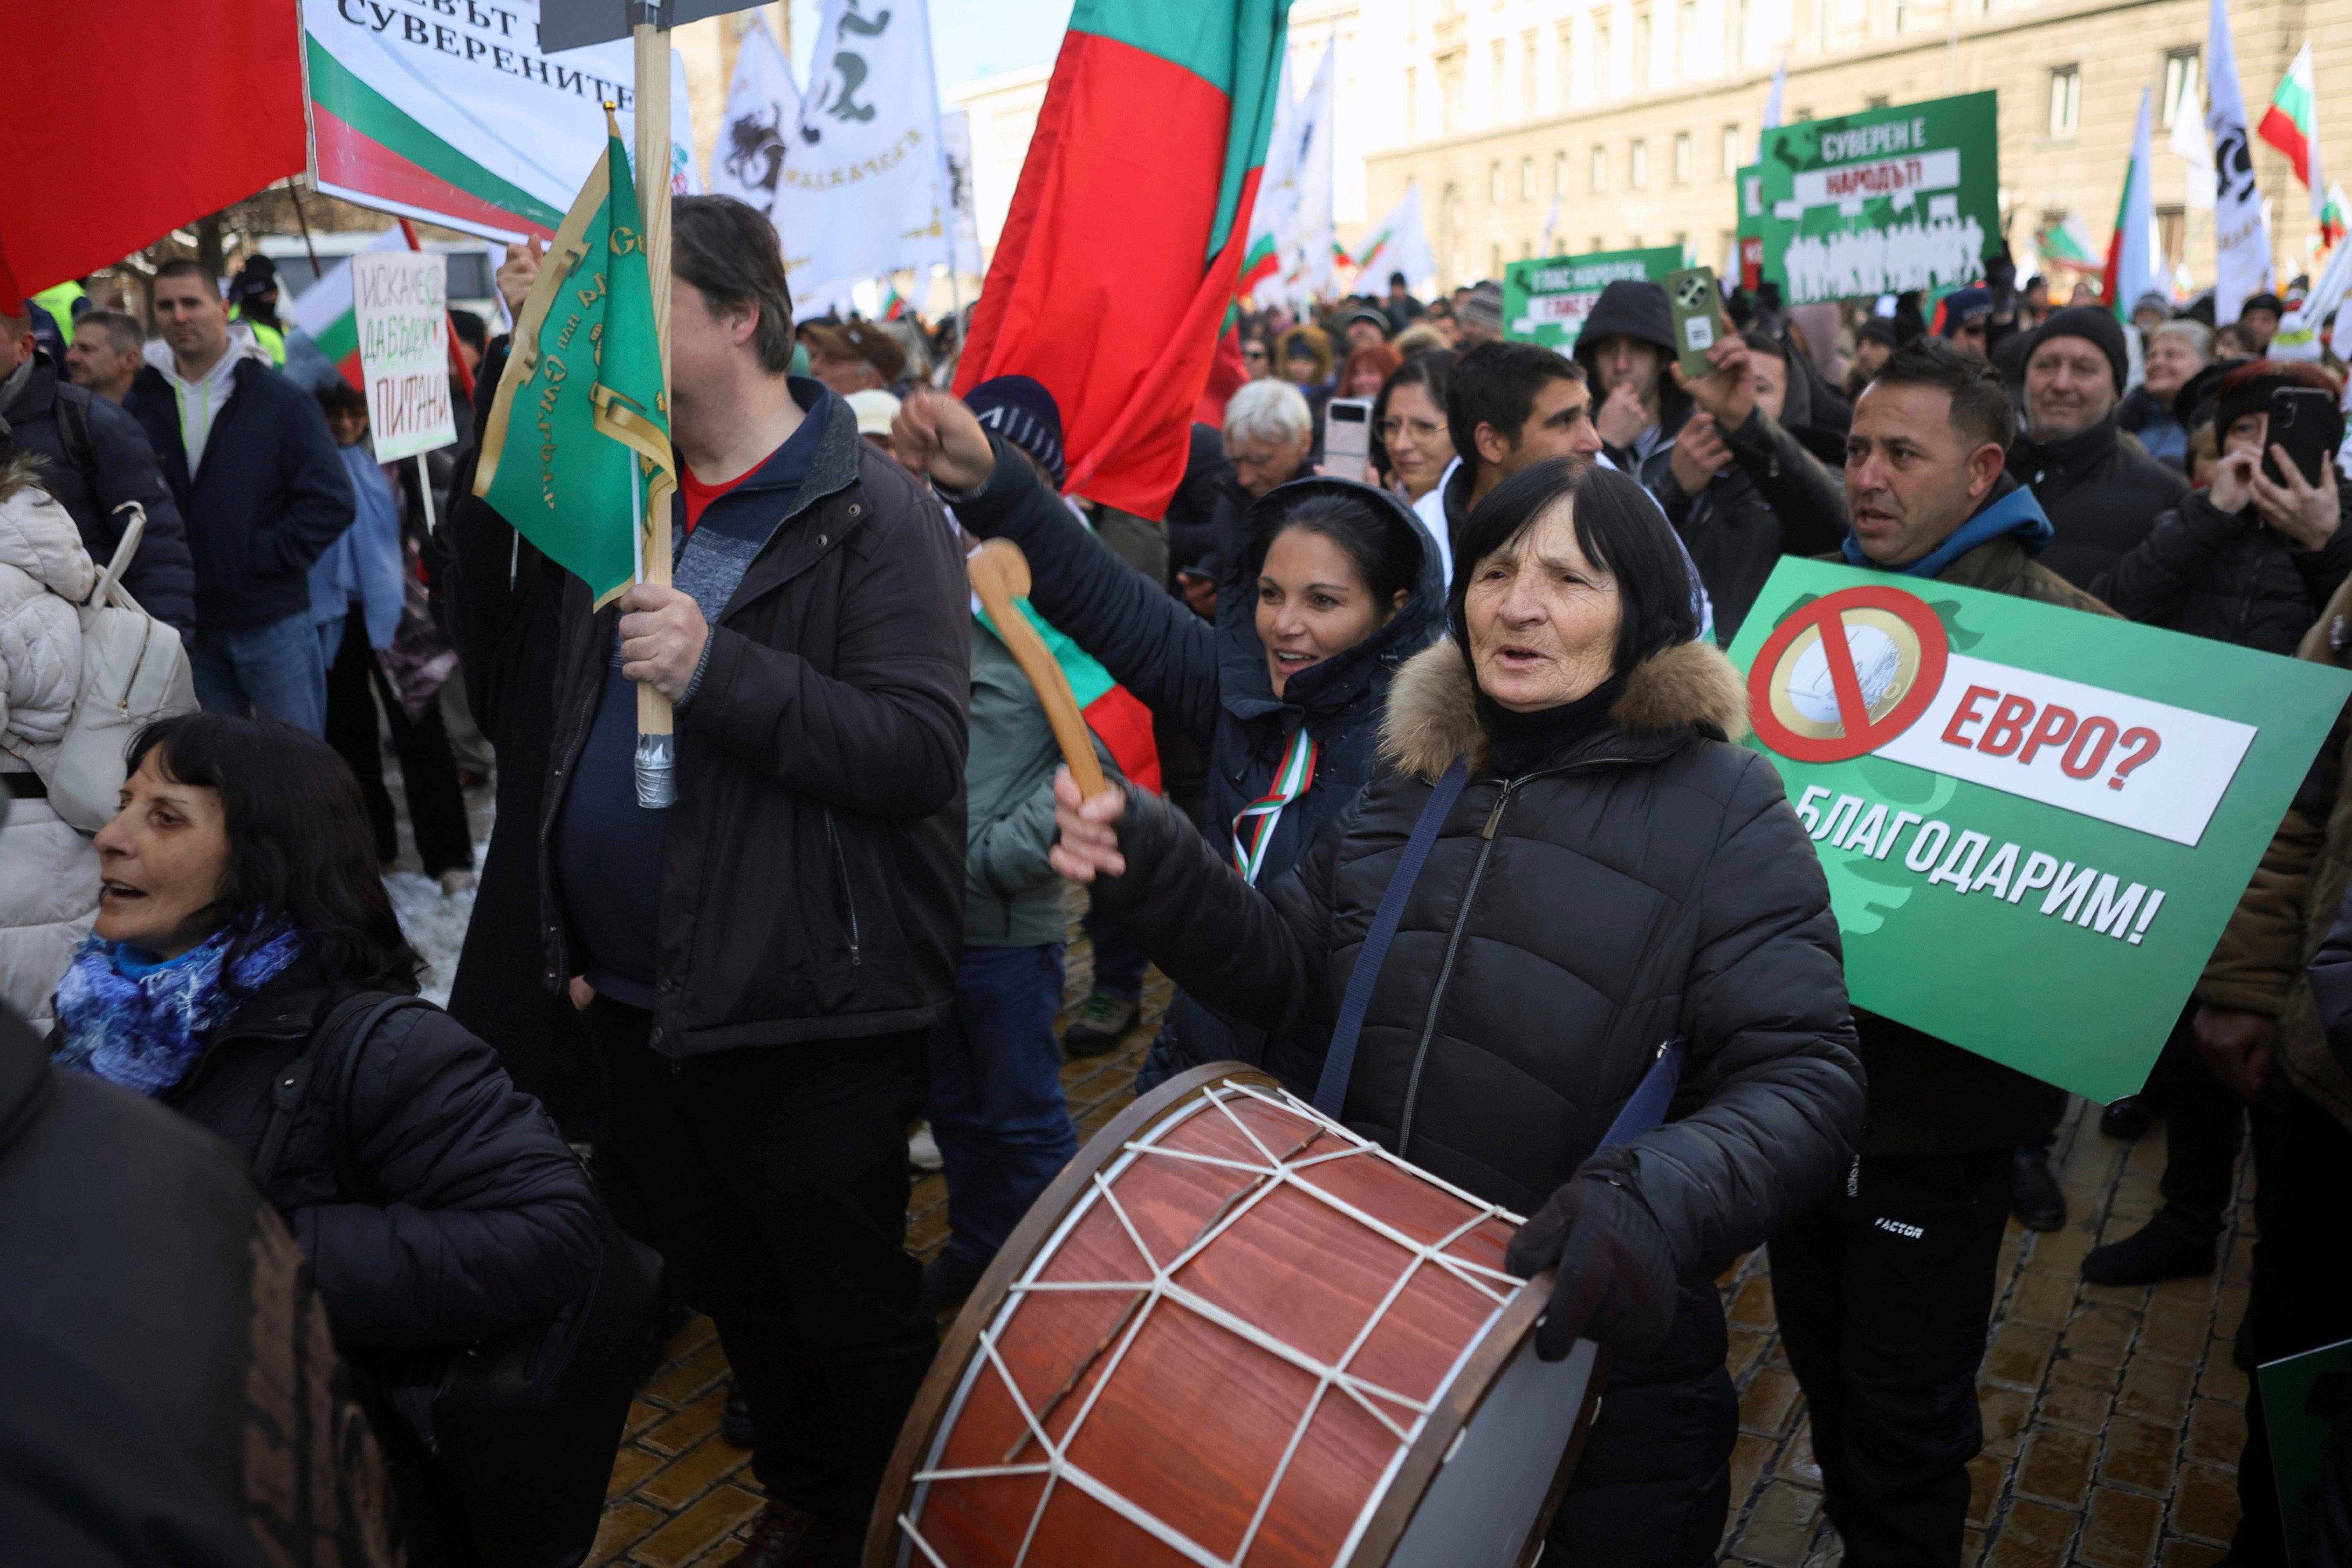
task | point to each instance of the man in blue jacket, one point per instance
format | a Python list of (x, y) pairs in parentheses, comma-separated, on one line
[(249, 457)]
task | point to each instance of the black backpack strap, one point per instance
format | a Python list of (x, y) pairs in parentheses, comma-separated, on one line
[(293, 1082), (370, 1008), (1340, 1060)]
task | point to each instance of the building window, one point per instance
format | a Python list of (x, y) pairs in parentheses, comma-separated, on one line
[(1494, 183), (2171, 231), (1734, 151), (2180, 83), (1604, 61), (1641, 51), (1599, 242), (1527, 249), (1412, 102), (1684, 160), (1495, 82), (1527, 76), (1559, 173), (1599, 170), (1687, 40), (1738, 9), (1564, 55), (1637, 168), (1877, 100), (1454, 89), (1526, 179), (2065, 101), (1494, 260), (1901, 17)]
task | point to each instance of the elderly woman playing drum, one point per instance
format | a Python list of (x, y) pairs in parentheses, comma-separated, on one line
[(1612, 876)]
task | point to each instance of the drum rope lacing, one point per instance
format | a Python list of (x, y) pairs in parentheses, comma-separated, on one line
[(1279, 1171)]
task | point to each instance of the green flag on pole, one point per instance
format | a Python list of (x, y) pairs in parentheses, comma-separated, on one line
[(585, 376)]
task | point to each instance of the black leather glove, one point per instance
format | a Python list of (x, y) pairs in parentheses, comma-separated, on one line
[(2001, 281), (1616, 1282)]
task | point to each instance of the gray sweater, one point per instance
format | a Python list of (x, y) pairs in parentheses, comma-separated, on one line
[(1013, 896)]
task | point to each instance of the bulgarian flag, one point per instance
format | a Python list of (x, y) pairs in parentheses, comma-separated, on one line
[(2065, 243), (1122, 723), (2291, 124), (2134, 264), (1123, 249)]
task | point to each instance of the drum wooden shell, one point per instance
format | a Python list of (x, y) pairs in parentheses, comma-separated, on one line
[(1234, 1333)]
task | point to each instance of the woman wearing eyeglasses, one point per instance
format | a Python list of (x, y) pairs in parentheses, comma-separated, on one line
[(1410, 446)]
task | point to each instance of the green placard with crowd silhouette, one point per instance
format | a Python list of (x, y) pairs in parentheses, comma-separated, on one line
[(1884, 201)]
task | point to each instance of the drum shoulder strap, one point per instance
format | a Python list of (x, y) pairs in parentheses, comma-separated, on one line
[(1339, 1062)]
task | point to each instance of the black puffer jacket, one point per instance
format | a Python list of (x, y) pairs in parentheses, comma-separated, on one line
[(1212, 683), (487, 1221), (2224, 576), (2103, 496), (1649, 883), (122, 468)]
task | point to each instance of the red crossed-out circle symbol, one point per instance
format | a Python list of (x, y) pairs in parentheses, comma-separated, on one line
[(1858, 732)]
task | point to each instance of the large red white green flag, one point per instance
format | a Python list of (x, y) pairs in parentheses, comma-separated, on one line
[(1119, 257), (450, 113)]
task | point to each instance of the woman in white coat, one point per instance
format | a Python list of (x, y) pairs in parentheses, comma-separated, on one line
[(49, 872)]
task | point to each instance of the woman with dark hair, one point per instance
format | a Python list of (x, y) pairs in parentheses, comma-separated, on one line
[(1411, 443), (240, 906), (1330, 588), (1613, 876)]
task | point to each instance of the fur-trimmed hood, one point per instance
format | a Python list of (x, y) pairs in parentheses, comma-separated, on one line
[(1431, 717)]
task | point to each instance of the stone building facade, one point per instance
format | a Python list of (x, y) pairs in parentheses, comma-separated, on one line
[(1634, 114)]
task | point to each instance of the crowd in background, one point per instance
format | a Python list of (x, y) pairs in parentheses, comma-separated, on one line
[(852, 921)]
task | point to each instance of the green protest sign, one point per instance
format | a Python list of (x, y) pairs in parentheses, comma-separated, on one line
[(1545, 302), (1750, 182), (2300, 1396), (1884, 201), (2032, 866)]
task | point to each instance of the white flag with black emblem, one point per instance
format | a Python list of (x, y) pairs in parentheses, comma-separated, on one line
[(861, 192), (2242, 230), (763, 107)]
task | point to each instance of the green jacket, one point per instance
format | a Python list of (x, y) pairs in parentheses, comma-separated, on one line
[(1928, 1096), (1013, 896)]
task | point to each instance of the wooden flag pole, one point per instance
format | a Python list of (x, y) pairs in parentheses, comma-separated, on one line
[(656, 756), (1000, 575)]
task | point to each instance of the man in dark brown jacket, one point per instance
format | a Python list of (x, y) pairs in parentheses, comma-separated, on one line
[(1885, 1288), (2258, 1028), (760, 963)]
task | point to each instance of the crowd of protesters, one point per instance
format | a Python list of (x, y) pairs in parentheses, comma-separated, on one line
[(851, 923)]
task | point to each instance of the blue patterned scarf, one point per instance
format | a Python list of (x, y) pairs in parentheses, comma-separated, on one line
[(144, 1029)]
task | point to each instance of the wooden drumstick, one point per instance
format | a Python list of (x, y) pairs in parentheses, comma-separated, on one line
[(1000, 575)]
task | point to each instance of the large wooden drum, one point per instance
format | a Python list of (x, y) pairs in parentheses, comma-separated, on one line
[(1235, 1333)]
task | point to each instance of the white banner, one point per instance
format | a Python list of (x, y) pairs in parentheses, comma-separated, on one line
[(860, 194), (2140, 764), (458, 89), (2241, 233), (763, 107), (401, 301), (1277, 188), (1307, 260)]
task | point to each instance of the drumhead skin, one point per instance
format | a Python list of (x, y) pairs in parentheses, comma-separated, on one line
[(1235, 1333)]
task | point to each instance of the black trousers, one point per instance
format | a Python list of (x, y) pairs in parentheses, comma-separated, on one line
[(2203, 1127), (774, 1182), (428, 774), (2302, 1297), (1883, 1291)]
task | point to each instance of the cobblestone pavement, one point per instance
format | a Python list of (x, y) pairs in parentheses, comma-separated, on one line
[(2112, 1419)]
